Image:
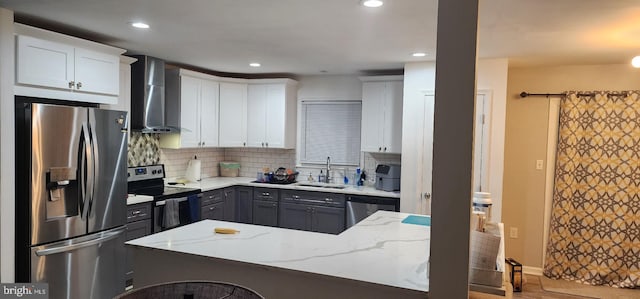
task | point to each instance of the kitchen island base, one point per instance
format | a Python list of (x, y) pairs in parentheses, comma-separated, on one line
[(153, 266)]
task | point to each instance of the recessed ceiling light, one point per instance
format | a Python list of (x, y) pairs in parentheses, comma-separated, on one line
[(254, 64), (636, 62), (140, 25), (419, 54), (371, 3)]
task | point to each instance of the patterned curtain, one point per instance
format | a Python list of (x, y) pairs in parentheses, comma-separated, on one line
[(594, 235)]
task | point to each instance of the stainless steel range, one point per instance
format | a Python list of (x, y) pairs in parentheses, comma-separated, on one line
[(173, 206)]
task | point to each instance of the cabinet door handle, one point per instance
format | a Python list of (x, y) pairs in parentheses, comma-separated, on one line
[(380, 149), (71, 84), (136, 212), (427, 195), (265, 193), (267, 144), (212, 208), (244, 144), (203, 143), (263, 144), (296, 197), (79, 85), (274, 204), (385, 148)]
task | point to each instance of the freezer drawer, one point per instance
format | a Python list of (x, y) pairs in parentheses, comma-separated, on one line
[(91, 266)]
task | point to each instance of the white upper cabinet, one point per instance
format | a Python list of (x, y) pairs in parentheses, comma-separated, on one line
[(196, 101), (53, 65), (382, 114), (271, 115), (233, 114), (44, 63)]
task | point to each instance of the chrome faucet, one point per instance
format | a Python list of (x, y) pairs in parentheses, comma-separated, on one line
[(328, 177)]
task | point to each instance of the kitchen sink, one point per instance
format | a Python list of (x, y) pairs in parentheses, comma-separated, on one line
[(322, 185)]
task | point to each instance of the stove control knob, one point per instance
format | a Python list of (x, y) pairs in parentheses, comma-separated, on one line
[(153, 172), (159, 171)]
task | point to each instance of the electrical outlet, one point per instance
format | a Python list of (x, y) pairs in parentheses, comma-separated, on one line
[(539, 164), (513, 232)]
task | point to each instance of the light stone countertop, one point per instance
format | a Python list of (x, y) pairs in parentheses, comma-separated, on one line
[(379, 249), (135, 199), (222, 182)]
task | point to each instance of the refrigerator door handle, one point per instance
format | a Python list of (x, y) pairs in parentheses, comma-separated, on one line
[(85, 152), (94, 165), (66, 248), (90, 168)]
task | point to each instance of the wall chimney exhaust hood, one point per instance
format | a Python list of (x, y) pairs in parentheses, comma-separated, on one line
[(147, 96)]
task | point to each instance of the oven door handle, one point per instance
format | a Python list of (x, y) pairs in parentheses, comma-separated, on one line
[(163, 202)]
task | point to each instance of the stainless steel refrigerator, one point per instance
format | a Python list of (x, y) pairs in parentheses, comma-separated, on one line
[(71, 185)]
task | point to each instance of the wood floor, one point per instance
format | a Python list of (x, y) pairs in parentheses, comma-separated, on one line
[(531, 290)]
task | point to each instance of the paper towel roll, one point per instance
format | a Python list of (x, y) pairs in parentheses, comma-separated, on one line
[(193, 170)]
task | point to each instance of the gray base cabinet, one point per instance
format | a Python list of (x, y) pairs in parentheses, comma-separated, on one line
[(244, 205), (138, 225), (229, 195), (295, 216), (212, 205), (265, 206), (265, 212), (312, 211)]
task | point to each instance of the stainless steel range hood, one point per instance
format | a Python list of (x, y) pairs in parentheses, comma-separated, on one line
[(147, 96)]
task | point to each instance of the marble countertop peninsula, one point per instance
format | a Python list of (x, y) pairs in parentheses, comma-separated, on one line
[(379, 250)]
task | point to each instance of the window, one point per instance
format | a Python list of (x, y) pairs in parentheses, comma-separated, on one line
[(330, 129)]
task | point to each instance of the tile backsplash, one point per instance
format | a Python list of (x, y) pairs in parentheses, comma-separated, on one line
[(253, 160), (175, 161), (143, 149)]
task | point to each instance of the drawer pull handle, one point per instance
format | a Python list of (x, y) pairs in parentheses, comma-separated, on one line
[(328, 199), (212, 208), (296, 197), (265, 194), (136, 212), (71, 84)]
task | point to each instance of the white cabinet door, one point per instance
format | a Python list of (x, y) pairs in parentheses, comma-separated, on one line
[(256, 115), (373, 99), (45, 63), (392, 131), (189, 112), (209, 102), (233, 116), (275, 129), (96, 72)]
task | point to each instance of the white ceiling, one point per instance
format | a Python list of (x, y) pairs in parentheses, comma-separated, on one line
[(339, 36)]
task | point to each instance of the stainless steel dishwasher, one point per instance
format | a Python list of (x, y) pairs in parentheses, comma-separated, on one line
[(360, 207)]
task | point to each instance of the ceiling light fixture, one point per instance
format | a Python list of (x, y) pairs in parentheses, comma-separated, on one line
[(140, 25), (419, 54), (371, 3), (254, 64), (636, 62)]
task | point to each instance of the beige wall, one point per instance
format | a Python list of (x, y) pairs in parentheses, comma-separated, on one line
[(526, 141)]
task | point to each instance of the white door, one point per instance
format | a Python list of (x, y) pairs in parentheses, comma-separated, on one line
[(44, 63), (96, 72), (276, 115), (417, 154), (372, 116), (209, 103), (233, 119), (189, 112), (392, 135), (256, 115), (481, 142)]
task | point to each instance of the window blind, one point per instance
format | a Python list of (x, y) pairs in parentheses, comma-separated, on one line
[(330, 129)]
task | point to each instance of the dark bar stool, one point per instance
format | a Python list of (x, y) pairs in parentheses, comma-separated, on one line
[(192, 290)]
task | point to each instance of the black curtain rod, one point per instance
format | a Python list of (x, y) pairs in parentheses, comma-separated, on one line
[(525, 94)]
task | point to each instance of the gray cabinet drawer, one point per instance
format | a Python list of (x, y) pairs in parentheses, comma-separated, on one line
[(138, 212), (210, 197), (314, 198), (265, 194), (213, 211)]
